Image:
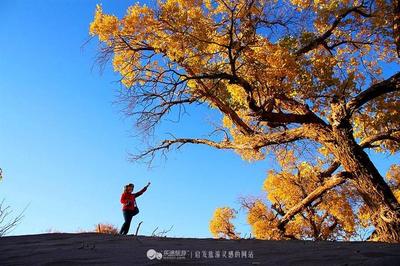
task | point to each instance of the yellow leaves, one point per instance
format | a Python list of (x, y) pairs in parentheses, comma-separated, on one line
[(338, 206), (262, 222), (324, 151), (393, 176), (378, 117), (364, 216), (320, 5), (286, 159), (244, 143), (281, 187), (105, 26), (238, 94), (302, 4), (207, 4), (227, 122), (221, 225), (292, 185), (123, 63), (397, 194), (137, 21), (248, 154), (195, 34), (270, 63), (257, 212), (394, 173), (192, 84), (266, 230)]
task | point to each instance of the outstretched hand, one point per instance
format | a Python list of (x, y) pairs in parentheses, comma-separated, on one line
[(148, 184)]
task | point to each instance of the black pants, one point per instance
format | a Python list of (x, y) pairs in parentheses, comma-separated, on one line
[(128, 214)]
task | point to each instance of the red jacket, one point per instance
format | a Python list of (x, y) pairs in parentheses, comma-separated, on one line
[(130, 197)]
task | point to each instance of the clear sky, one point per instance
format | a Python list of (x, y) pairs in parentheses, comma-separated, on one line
[(64, 145)]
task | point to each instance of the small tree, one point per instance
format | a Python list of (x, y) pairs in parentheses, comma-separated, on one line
[(106, 229), (221, 225), (7, 223)]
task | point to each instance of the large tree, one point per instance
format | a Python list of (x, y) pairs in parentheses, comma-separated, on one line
[(284, 74)]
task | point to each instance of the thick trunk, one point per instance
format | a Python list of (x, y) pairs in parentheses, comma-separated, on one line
[(370, 184)]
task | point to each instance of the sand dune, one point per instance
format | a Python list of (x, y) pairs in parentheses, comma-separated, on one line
[(104, 249)]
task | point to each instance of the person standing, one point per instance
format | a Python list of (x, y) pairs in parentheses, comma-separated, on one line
[(129, 208)]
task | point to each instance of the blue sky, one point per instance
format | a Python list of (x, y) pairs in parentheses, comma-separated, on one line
[(64, 145)]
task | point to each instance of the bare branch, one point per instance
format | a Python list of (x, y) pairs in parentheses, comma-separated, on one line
[(137, 229), (162, 233), (7, 226), (166, 145), (260, 141)]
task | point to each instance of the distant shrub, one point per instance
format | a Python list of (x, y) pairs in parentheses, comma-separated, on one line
[(52, 231), (7, 224), (106, 229)]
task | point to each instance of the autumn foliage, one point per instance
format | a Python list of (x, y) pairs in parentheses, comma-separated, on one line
[(105, 228), (301, 80), (221, 225)]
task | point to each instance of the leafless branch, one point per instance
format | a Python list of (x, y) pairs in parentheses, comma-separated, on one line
[(6, 224), (162, 233), (137, 229)]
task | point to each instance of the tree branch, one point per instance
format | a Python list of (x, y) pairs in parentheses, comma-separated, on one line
[(317, 193), (167, 144), (322, 38), (261, 140), (286, 136), (300, 112), (388, 135), (389, 85), (242, 126)]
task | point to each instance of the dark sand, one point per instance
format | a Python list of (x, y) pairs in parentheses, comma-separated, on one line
[(103, 249)]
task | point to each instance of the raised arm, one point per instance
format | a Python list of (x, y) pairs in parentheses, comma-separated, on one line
[(137, 194)]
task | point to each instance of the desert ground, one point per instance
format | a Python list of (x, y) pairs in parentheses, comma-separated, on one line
[(106, 249)]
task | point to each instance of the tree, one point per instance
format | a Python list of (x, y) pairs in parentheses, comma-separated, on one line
[(6, 222), (221, 225), (285, 75)]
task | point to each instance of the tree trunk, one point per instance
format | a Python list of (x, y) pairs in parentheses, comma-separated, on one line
[(370, 184)]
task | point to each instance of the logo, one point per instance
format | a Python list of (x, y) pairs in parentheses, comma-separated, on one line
[(152, 254)]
